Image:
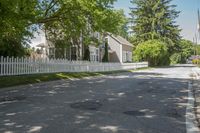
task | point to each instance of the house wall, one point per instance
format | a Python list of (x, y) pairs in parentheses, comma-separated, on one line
[(127, 48), (94, 53), (127, 53), (117, 48)]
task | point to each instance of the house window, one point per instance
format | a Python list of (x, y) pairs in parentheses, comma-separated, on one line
[(129, 59), (94, 54), (127, 56), (51, 53)]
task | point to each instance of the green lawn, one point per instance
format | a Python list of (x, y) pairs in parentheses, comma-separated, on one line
[(8, 81)]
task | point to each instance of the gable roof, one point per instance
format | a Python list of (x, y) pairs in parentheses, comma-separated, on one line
[(41, 45), (121, 40)]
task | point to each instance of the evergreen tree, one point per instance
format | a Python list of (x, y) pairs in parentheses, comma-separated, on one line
[(155, 19), (105, 57)]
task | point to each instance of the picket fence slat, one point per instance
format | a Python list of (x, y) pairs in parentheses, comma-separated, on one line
[(21, 66)]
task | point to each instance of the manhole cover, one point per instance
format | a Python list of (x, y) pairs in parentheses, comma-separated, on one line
[(16, 98), (134, 113), (86, 105)]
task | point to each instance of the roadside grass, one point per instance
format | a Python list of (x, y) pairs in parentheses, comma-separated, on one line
[(9, 81)]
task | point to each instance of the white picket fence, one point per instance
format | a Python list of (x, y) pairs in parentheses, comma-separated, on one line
[(22, 66)]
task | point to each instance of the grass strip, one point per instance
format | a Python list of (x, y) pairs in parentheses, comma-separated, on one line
[(9, 81)]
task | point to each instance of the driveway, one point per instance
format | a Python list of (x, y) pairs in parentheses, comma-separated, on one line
[(147, 101)]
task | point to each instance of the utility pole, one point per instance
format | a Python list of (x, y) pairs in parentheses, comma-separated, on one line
[(199, 23), (198, 27), (194, 46), (196, 43)]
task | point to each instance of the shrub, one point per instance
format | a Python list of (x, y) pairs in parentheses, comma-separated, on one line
[(196, 61), (185, 50), (153, 51), (176, 58)]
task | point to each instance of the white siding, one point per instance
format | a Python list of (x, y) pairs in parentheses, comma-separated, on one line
[(117, 48)]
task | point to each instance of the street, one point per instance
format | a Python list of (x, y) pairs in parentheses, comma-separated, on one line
[(145, 101)]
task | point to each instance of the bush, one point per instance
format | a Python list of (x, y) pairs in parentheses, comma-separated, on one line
[(196, 61), (153, 51), (176, 58), (185, 50)]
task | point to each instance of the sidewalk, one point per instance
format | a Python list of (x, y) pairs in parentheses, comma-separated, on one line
[(196, 91)]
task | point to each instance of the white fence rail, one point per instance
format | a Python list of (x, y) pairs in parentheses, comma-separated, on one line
[(21, 66)]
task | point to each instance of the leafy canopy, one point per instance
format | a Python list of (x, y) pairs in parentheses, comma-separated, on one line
[(60, 19), (153, 51)]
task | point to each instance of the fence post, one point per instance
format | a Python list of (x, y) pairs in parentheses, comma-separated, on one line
[(12, 61), (1, 65)]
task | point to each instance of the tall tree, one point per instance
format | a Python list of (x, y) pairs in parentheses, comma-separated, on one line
[(16, 26), (71, 20), (155, 19), (61, 19)]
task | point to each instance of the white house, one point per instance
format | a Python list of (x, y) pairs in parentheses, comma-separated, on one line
[(120, 50)]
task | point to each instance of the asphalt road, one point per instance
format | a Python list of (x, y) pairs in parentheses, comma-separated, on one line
[(148, 101)]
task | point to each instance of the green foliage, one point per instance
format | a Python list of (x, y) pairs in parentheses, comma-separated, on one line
[(176, 58), (105, 57), (79, 17), (186, 49), (13, 47), (196, 61), (155, 19), (61, 47), (122, 25), (153, 51), (60, 19), (16, 26)]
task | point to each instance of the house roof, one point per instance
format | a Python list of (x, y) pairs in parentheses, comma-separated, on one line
[(121, 40), (42, 45)]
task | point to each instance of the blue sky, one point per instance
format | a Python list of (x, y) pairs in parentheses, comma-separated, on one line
[(188, 17)]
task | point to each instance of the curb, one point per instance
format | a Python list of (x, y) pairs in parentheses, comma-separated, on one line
[(196, 94)]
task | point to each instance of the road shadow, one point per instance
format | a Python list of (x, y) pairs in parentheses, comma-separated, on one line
[(119, 103)]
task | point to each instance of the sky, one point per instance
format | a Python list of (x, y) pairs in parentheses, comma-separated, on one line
[(187, 19)]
